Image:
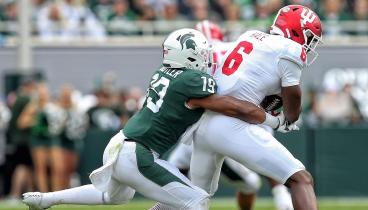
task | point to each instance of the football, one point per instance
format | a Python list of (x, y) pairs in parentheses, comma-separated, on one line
[(271, 103)]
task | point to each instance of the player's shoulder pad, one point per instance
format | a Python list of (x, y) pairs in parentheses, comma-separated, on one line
[(194, 76), (247, 33), (293, 51), (195, 73)]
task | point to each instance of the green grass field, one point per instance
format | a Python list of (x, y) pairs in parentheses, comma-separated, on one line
[(217, 204)]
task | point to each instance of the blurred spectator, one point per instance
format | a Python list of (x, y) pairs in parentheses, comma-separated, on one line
[(143, 10), (310, 108), (71, 128), (360, 10), (37, 116), (200, 10), (18, 139), (4, 120), (37, 5), (159, 6), (118, 104), (170, 12), (220, 6), (68, 19), (265, 9), (10, 11), (309, 3), (232, 12), (102, 115), (10, 14), (332, 12), (102, 9), (121, 19), (247, 9), (184, 7), (336, 105), (134, 100)]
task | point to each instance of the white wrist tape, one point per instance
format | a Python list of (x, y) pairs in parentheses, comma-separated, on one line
[(271, 121)]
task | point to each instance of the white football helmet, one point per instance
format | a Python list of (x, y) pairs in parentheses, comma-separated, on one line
[(187, 48)]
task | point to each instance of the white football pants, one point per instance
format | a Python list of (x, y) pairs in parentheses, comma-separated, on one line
[(233, 173), (251, 145), (137, 168)]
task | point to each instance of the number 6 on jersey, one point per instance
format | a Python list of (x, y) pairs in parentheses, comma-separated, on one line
[(235, 58)]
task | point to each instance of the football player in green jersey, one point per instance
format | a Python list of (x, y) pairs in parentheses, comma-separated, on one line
[(132, 158)]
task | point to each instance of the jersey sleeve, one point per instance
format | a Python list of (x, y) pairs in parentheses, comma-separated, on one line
[(294, 52), (199, 85), (290, 73)]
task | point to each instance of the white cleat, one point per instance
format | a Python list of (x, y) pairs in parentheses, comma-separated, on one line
[(34, 201)]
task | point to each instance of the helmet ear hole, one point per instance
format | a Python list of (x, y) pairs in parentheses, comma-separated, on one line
[(295, 33), (191, 59)]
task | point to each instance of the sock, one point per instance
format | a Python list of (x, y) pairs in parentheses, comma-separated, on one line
[(84, 195), (161, 206), (282, 198)]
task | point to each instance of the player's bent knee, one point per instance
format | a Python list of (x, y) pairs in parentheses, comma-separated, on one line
[(119, 198), (117, 201), (300, 177), (203, 204)]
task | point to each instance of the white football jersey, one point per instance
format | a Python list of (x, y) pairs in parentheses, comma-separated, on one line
[(219, 51), (258, 65)]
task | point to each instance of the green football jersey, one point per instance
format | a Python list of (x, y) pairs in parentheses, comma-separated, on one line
[(164, 116)]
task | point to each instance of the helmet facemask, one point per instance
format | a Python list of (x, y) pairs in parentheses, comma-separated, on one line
[(310, 45), (202, 59)]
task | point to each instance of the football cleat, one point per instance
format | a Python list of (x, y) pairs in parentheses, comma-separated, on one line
[(34, 201)]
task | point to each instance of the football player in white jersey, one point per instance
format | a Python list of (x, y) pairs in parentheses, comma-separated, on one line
[(259, 65), (244, 180)]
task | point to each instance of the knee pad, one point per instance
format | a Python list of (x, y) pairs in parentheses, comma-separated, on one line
[(119, 197)]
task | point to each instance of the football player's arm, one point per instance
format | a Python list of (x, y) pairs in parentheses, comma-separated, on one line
[(290, 89), (233, 107), (292, 102)]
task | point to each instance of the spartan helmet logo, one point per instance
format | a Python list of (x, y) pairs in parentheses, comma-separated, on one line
[(187, 40)]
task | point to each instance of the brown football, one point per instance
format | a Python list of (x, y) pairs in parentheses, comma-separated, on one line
[(271, 103)]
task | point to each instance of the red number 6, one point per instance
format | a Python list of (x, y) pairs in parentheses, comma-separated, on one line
[(235, 58)]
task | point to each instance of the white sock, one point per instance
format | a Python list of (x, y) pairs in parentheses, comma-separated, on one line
[(84, 195), (282, 198)]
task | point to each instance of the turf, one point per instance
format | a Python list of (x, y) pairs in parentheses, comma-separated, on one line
[(217, 204)]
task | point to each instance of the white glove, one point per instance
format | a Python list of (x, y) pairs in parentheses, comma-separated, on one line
[(285, 126)]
